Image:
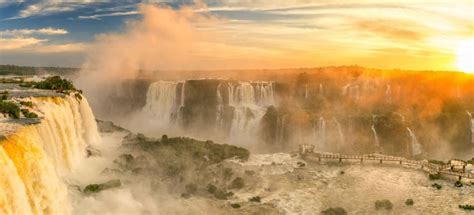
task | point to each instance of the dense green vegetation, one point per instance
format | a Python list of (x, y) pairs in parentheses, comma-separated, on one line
[(190, 165), (13, 109), (182, 147), (10, 108), (467, 207), (27, 70), (54, 83), (28, 114)]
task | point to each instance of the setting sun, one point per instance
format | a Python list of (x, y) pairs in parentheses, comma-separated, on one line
[(464, 56)]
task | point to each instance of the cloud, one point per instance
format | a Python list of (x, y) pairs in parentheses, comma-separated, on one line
[(39, 46), (392, 29), (47, 7), (43, 31), (60, 48), (18, 43), (98, 16)]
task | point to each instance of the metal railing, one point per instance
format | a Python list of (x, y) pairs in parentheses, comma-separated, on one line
[(447, 169)]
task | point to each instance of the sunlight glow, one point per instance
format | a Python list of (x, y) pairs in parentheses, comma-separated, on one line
[(465, 56)]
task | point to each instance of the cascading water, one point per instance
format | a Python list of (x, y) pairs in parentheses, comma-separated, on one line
[(388, 93), (181, 102), (415, 146), (322, 133), (161, 102), (376, 137), (250, 102), (280, 129), (32, 156), (66, 130), (219, 108), (341, 134), (321, 92)]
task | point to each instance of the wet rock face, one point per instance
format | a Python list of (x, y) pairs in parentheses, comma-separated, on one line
[(200, 103), (392, 134), (95, 188), (108, 127)]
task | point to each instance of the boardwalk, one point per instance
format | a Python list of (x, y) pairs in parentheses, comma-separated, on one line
[(448, 169)]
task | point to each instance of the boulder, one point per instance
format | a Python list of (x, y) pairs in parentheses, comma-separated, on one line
[(95, 188)]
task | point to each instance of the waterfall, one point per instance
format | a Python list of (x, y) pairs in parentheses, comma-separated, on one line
[(322, 133), (376, 137), (181, 103), (339, 131), (68, 126), (161, 101), (388, 93), (351, 91), (280, 129), (220, 107), (415, 146), (321, 92), (33, 157), (250, 102)]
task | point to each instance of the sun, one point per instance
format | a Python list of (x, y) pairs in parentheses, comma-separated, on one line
[(465, 56)]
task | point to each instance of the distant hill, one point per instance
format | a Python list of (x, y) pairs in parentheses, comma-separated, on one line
[(28, 70)]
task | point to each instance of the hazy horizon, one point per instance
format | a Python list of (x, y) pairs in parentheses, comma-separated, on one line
[(226, 35)]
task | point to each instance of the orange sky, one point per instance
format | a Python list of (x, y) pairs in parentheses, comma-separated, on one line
[(419, 35)]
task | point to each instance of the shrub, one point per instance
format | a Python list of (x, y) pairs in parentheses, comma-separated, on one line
[(28, 114), (467, 207), (211, 188), (255, 199), (228, 173), (300, 164), (4, 95), (437, 186), (237, 183), (458, 184), (434, 176), (409, 202), (437, 162), (222, 195), (10, 108), (186, 195), (27, 103), (54, 83), (235, 205), (383, 204), (471, 161), (334, 211)]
